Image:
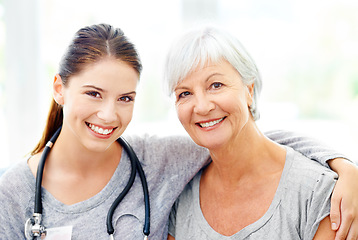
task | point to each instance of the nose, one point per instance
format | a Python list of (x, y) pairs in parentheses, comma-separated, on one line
[(203, 104), (107, 112)]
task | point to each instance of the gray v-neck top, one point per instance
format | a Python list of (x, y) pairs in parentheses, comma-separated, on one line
[(301, 201)]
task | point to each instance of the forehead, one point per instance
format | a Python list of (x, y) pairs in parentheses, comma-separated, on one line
[(221, 67), (221, 71), (107, 71)]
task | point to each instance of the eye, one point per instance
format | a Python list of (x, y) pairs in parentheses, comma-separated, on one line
[(126, 99), (216, 85), (183, 94), (94, 94)]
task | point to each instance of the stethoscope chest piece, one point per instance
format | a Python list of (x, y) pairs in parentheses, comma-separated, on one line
[(33, 227)]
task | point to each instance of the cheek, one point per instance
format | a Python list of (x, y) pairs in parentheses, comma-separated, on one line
[(236, 106), (182, 114), (126, 114), (236, 101), (78, 108)]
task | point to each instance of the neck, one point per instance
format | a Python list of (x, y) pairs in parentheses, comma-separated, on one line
[(74, 157), (247, 157)]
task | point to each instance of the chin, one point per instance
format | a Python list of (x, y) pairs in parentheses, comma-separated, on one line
[(208, 145), (210, 142), (98, 147)]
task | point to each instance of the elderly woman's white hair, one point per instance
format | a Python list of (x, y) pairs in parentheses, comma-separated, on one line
[(198, 47)]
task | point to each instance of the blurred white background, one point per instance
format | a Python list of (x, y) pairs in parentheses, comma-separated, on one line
[(307, 52)]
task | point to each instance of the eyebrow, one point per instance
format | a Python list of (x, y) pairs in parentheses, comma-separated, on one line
[(206, 80), (180, 88), (92, 86), (212, 75), (102, 90)]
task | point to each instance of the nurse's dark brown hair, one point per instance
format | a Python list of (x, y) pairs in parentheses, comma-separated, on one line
[(89, 45)]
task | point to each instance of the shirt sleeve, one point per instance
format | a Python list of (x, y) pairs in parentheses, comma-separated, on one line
[(309, 147), (319, 205)]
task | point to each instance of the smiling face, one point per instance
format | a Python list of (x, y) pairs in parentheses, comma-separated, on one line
[(97, 103), (212, 105)]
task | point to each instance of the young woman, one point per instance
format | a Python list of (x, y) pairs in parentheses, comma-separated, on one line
[(254, 188), (87, 167)]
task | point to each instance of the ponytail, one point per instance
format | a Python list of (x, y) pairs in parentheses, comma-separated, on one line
[(54, 121)]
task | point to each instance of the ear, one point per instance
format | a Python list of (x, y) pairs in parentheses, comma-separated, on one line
[(250, 93), (58, 90)]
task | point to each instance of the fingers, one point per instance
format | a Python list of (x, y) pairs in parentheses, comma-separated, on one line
[(335, 214), (346, 227), (344, 202), (353, 231)]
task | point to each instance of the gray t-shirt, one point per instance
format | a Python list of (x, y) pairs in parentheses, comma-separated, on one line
[(169, 164), (301, 201)]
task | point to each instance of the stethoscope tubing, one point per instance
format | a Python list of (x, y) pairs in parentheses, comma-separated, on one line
[(135, 166), (39, 173), (146, 228)]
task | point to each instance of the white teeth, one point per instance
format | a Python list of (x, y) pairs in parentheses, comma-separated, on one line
[(210, 124), (100, 130)]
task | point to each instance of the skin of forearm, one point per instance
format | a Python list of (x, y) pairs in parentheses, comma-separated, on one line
[(342, 166)]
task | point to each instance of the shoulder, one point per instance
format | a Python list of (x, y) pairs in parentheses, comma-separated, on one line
[(147, 140), (309, 188), (303, 196), (305, 179), (306, 171), (18, 176), (16, 186)]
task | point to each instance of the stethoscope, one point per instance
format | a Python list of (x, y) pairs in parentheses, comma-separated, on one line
[(33, 227)]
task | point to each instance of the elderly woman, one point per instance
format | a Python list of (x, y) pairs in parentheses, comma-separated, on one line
[(254, 188)]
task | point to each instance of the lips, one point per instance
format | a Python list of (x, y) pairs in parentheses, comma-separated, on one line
[(210, 123), (100, 130)]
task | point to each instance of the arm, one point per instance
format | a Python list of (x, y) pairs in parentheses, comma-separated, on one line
[(324, 231), (309, 147)]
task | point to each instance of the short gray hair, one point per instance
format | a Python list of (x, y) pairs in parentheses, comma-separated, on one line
[(197, 47)]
